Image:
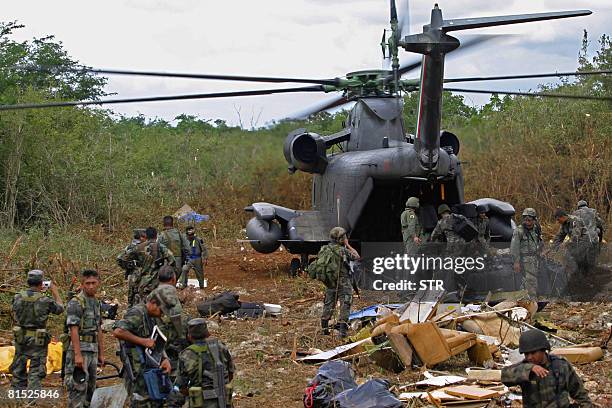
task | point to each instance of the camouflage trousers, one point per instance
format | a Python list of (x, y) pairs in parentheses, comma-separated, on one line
[(344, 295), (529, 275), (38, 365), (198, 266), (133, 295), (79, 395)]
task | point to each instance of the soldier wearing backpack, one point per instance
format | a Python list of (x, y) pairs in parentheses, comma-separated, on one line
[(31, 309), (595, 228), (332, 268), (526, 249)]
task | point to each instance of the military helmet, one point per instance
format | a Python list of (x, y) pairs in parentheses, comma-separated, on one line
[(533, 340), (530, 212), (78, 375), (481, 209), (412, 202), (443, 208), (35, 275), (198, 328), (337, 234), (582, 203)]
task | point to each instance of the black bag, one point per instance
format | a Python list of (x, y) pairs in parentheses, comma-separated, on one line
[(464, 228), (372, 394), (332, 378), (223, 303), (250, 310)]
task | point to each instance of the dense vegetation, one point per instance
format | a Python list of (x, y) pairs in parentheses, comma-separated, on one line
[(70, 168)]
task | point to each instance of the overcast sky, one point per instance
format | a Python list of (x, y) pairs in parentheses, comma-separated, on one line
[(301, 38)]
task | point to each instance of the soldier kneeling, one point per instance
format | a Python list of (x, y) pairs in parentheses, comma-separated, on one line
[(205, 369)]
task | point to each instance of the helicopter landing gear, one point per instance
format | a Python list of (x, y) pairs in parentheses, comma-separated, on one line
[(298, 265)]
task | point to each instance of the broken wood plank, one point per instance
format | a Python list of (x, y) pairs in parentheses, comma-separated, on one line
[(483, 375), (402, 348), (422, 307), (427, 341), (579, 355), (471, 392)]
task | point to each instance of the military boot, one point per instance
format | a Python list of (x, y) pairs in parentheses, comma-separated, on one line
[(325, 327), (342, 330)]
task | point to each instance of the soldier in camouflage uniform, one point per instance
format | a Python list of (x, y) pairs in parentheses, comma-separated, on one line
[(526, 248), (135, 330), (546, 380), (342, 290), (197, 257), (31, 309), (199, 366), (595, 228), (455, 245), (412, 230), (578, 261), (154, 256), (86, 349), (176, 242), (484, 232), (128, 260)]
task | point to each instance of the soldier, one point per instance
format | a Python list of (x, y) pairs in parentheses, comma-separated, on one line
[(546, 380), (340, 286), (595, 228), (484, 232), (526, 247), (155, 256), (135, 330), (86, 350), (412, 230), (31, 309), (197, 257), (128, 260), (455, 244), (175, 241), (206, 369)]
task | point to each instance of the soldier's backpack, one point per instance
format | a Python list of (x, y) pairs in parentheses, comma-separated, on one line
[(464, 227), (327, 265), (588, 217)]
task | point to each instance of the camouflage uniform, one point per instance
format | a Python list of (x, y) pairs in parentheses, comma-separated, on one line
[(455, 247), (484, 234), (197, 368), (595, 227), (525, 247), (197, 254), (176, 336), (83, 311), (411, 228), (577, 254), (153, 251), (342, 291), (129, 260), (177, 243), (552, 391), (31, 310), (138, 322)]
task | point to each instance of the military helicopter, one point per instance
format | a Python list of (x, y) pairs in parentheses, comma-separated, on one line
[(363, 188)]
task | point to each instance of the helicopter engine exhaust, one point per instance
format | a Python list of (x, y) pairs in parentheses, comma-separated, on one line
[(306, 152)]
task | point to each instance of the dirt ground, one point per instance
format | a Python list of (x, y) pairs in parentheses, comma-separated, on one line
[(267, 376)]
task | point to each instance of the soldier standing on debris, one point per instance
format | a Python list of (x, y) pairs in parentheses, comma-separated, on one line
[(197, 256), (333, 262), (128, 260), (595, 228), (31, 309), (484, 232), (86, 350), (135, 330), (412, 230), (577, 254), (546, 380), (206, 369), (526, 248), (455, 243), (155, 256), (175, 241)]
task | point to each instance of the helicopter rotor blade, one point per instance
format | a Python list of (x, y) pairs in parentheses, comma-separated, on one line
[(315, 88), (320, 106), (535, 94), (526, 76), (182, 75), (404, 18)]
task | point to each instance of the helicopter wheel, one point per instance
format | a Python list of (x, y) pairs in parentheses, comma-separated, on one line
[(294, 267)]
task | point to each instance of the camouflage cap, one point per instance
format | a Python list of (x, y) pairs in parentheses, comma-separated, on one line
[(582, 203), (337, 233), (443, 208), (198, 328), (530, 212), (35, 275), (170, 303)]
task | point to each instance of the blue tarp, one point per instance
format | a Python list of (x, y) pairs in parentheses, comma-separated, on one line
[(194, 217), (371, 311)]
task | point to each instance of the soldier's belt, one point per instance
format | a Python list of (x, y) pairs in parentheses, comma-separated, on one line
[(89, 338)]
